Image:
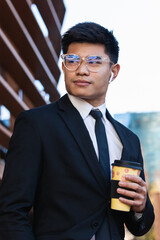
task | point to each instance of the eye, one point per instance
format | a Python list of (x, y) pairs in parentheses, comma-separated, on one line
[(72, 59), (94, 60)]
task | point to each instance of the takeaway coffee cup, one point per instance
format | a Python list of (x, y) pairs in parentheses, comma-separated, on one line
[(119, 169)]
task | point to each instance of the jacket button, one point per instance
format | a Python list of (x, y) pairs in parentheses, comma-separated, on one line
[(95, 224), (142, 226)]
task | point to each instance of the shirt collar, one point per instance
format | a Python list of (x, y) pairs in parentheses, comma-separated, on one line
[(84, 107)]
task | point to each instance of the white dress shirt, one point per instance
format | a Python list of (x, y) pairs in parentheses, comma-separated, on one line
[(114, 143)]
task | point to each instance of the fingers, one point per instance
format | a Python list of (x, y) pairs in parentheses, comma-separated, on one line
[(136, 189), (135, 179), (133, 182)]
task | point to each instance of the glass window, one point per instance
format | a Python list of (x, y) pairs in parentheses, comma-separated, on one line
[(5, 116)]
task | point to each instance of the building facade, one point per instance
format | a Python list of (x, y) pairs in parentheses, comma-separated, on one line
[(29, 70), (147, 127)]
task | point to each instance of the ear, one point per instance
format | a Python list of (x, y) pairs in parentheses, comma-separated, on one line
[(115, 70), (63, 67), (111, 77)]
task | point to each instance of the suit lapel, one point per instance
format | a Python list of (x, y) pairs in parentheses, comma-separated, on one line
[(122, 135), (75, 124)]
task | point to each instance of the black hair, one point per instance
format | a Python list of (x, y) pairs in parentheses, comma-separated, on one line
[(92, 33)]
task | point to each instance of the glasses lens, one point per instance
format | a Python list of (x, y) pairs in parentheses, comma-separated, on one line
[(72, 61), (94, 63)]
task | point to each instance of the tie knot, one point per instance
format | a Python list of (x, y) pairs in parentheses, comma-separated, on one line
[(96, 114)]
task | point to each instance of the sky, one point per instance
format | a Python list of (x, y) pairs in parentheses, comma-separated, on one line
[(135, 24)]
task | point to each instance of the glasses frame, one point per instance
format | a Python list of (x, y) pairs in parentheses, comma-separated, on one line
[(85, 60)]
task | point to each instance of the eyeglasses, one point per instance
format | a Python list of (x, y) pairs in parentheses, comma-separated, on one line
[(94, 63)]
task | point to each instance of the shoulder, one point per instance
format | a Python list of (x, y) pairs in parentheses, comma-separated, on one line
[(126, 132), (38, 116), (46, 110), (37, 112), (124, 128), (46, 114)]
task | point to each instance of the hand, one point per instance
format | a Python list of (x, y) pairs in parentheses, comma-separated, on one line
[(139, 193)]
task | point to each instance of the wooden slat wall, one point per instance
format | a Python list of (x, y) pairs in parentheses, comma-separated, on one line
[(26, 55)]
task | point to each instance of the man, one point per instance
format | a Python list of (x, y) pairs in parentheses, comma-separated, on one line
[(54, 160)]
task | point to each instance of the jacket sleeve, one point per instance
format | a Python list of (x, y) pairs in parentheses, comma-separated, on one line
[(141, 226), (20, 179)]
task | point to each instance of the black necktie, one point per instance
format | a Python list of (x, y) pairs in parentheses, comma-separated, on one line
[(104, 161), (102, 143)]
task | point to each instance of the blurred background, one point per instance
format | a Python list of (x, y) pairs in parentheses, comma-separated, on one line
[(136, 26), (30, 69)]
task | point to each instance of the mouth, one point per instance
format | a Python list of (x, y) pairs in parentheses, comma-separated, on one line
[(80, 82)]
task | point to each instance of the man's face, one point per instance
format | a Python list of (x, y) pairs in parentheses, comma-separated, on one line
[(82, 83)]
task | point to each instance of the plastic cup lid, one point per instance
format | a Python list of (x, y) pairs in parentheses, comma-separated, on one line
[(129, 164)]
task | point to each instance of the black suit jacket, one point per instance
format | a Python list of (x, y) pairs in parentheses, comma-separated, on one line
[(52, 165)]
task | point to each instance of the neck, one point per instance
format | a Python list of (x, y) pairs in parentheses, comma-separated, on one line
[(94, 103)]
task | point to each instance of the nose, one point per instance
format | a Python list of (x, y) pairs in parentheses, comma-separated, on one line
[(82, 69)]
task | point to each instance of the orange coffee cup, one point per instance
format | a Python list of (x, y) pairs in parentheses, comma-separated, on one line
[(120, 168)]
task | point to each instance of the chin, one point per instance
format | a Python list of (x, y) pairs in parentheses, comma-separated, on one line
[(83, 96), (80, 94)]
